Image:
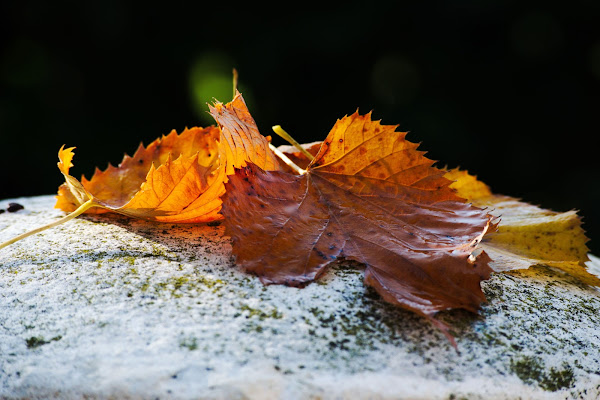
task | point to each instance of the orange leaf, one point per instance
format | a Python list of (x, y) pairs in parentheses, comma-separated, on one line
[(177, 178), (369, 195), (241, 136)]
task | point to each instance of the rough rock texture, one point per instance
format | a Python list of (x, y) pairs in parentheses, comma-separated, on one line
[(109, 307)]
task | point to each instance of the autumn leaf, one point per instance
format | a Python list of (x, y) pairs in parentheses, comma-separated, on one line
[(241, 136), (177, 178), (369, 195), (527, 235)]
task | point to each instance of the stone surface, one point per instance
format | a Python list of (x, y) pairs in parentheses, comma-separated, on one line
[(109, 307)]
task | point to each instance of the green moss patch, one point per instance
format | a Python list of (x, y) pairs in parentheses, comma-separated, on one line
[(532, 371), (37, 341)]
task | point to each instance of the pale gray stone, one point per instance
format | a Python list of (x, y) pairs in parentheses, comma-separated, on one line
[(108, 307)]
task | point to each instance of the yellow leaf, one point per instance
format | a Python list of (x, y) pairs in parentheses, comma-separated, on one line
[(527, 235)]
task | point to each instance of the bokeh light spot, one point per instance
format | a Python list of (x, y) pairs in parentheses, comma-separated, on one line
[(210, 78)]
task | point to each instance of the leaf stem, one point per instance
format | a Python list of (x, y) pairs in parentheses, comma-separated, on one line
[(284, 135), (235, 81), (286, 160), (82, 208)]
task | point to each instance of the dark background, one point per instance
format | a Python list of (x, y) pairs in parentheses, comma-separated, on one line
[(509, 90)]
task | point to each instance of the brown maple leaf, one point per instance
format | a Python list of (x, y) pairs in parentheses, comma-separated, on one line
[(526, 235), (369, 195)]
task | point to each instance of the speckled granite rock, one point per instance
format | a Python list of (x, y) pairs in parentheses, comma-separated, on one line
[(109, 307)]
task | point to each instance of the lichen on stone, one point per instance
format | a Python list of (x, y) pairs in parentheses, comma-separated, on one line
[(141, 301)]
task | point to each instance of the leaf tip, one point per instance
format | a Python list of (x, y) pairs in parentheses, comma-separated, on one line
[(65, 157), (445, 329)]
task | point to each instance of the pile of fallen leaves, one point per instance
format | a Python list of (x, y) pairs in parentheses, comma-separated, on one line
[(426, 236)]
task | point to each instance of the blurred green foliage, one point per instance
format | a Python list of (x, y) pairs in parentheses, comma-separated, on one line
[(210, 78)]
